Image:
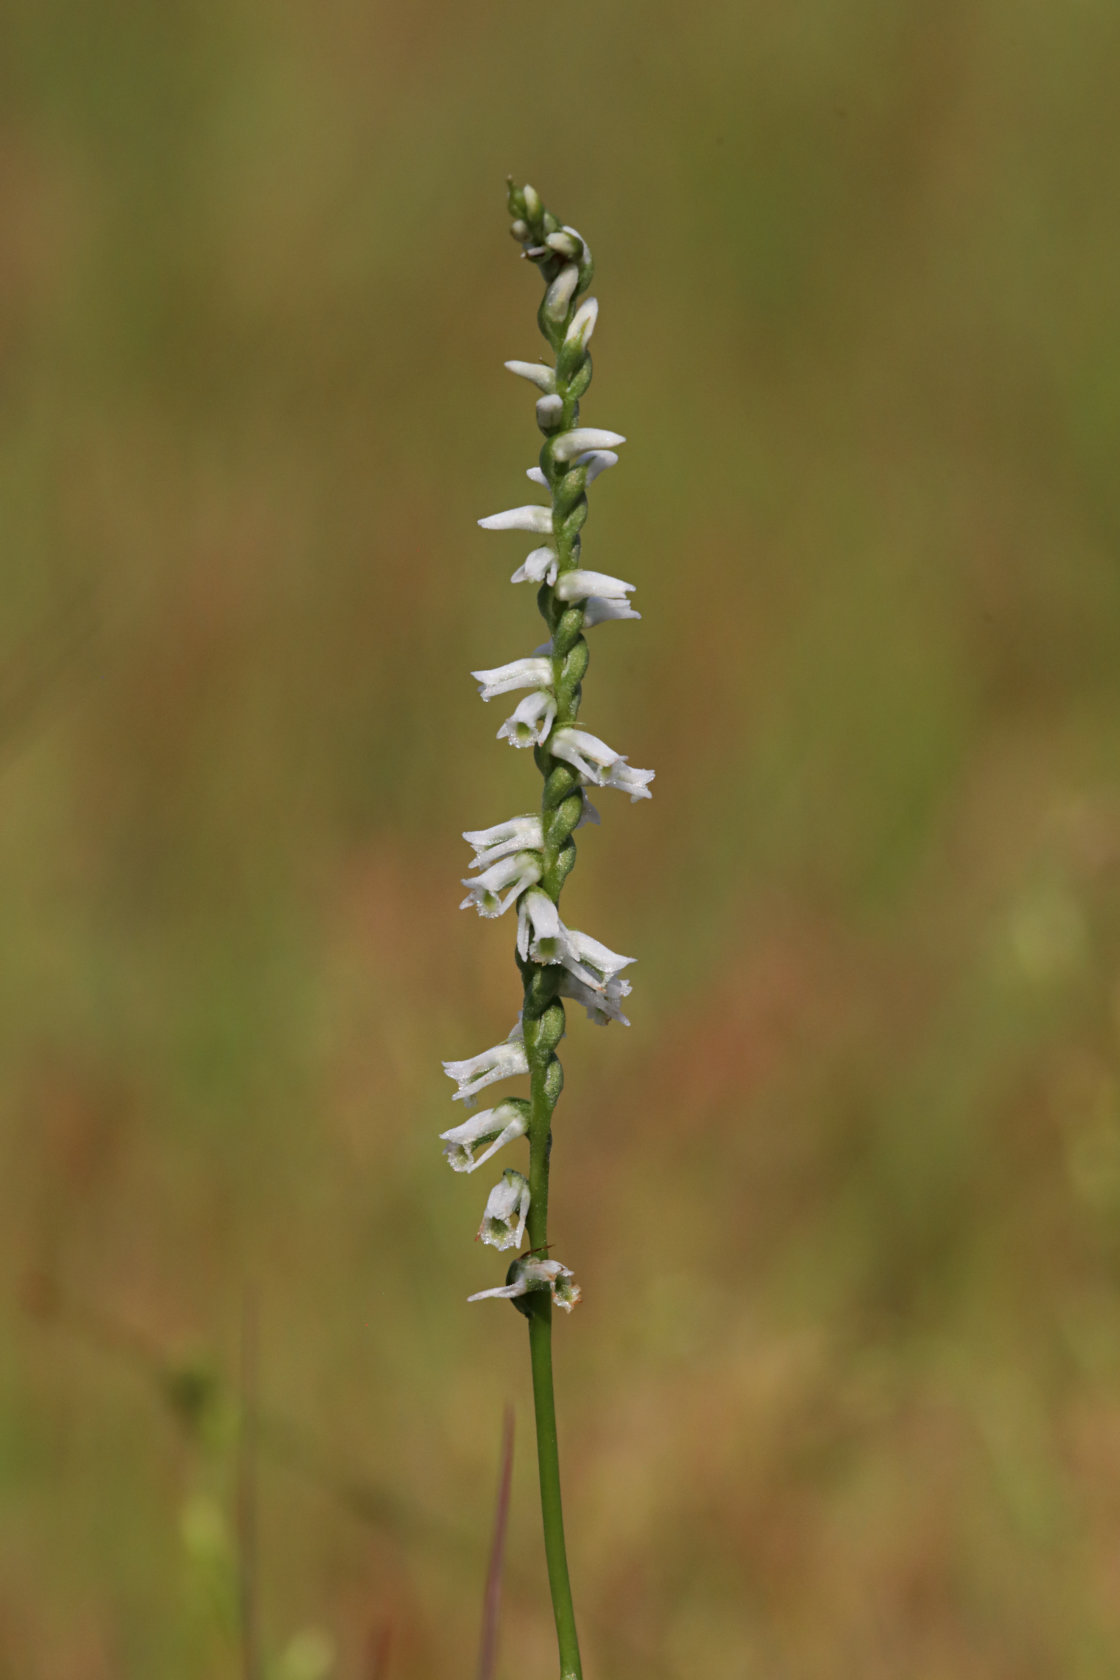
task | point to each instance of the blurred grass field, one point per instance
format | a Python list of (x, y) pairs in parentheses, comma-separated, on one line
[(843, 1398)]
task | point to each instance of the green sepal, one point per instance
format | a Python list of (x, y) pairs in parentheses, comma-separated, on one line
[(567, 631), (562, 780), (553, 1081), (554, 878), (561, 822), (540, 981), (549, 1030)]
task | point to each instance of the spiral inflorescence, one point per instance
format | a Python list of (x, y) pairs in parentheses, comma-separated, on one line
[(526, 860)]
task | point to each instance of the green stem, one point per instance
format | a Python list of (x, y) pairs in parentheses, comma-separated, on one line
[(548, 1462)]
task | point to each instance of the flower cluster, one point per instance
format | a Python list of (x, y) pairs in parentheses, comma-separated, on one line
[(524, 861)]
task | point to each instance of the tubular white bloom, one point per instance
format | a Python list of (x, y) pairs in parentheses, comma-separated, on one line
[(596, 461), (579, 585), (536, 372), (510, 875), (559, 294), (582, 324), (529, 723), (540, 932), (567, 243), (599, 763), (542, 936), (591, 961), (488, 1132), (583, 438), (519, 673), (507, 1207), (601, 1006), (536, 476), (530, 1275), (499, 1062), (598, 610), (538, 567), (549, 411), (519, 834), (530, 518), (628, 780)]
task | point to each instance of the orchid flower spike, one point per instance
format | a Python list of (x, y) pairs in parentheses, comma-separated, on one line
[(507, 1208), (524, 862)]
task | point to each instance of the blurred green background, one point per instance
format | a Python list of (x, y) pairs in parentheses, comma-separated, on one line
[(843, 1397)]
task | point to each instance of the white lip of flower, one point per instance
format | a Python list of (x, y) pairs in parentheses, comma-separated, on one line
[(529, 723), (519, 673), (582, 324), (598, 610), (581, 439), (599, 763), (501, 1061), (578, 585), (507, 1207), (536, 372), (530, 518), (514, 873), (538, 567), (602, 1006), (488, 1131), (518, 834), (531, 1275)]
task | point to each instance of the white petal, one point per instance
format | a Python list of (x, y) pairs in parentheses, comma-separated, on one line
[(583, 751), (579, 585), (519, 519), (540, 375), (530, 723), (559, 295), (583, 438), (519, 673), (582, 324), (510, 875), (628, 780), (519, 834), (537, 567), (598, 610), (596, 461), (501, 1061), (549, 411), (538, 477), (567, 244)]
